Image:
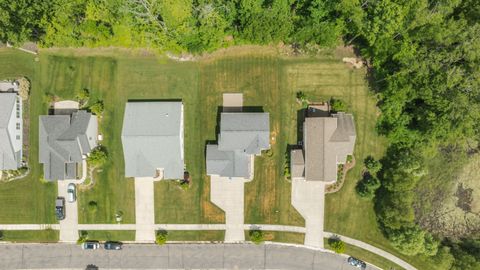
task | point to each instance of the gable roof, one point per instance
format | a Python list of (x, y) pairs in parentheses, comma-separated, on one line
[(64, 139), (152, 138), (327, 142), (241, 135), (247, 132), (228, 163), (9, 159)]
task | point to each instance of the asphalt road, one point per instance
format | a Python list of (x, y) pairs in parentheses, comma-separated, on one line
[(171, 256)]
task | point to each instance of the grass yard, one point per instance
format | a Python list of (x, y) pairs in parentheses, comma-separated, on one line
[(367, 256), (283, 237), (212, 236), (111, 235), (44, 236), (27, 200)]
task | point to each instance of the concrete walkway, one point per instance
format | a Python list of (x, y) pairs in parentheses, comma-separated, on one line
[(308, 197), (144, 209), (228, 195)]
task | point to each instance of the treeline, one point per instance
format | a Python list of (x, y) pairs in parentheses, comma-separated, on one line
[(424, 59), (176, 25)]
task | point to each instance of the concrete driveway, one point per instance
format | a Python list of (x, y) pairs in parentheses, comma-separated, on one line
[(171, 256), (308, 197), (228, 194), (68, 226), (144, 209)]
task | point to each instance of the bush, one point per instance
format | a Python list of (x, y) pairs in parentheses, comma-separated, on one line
[(97, 156), (161, 237), (83, 236), (368, 186), (337, 105), (83, 96), (257, 236), (372, 165), (337, 245), (97, 108), (24, 88), (92, 206), (1, 235)]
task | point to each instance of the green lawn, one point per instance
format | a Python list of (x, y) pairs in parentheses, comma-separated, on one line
[(196, 236), (111, 235), (27, 200), (282, 237), (44, 236), (367, 256)]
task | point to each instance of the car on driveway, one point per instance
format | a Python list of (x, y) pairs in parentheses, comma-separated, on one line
[(112, 245), (72, 193), (90, 245), (60, 208), (357, 263)]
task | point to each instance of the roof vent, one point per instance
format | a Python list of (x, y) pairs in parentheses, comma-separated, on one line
[(166, 114)]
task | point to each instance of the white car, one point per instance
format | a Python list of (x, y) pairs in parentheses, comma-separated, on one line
[(72, 193)]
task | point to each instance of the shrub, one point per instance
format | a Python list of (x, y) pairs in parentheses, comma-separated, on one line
[(1, 235), (301, 96), (337, 245), (349, 159), (161, 237), (24, 88), (337, 105), (257, 236), (92, 206), (83, 236), (97, 108), (97, 157), (83, 96), (368, 186), (372, 165)]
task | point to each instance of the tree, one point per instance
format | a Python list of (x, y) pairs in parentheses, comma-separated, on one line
[(257, 236), (97, 108), (408, 240), (83, 236), (337, 245), (161, 237), (97, 157), (372, 165), (83, 96), (337, 105), (92, 206), (368, 186)]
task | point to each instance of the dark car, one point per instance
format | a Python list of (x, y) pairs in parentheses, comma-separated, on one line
[(60, 208), (357, 263), (90, 245), (113, 245)]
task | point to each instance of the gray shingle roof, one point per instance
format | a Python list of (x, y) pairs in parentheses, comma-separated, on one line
[(327, 142), (64, 139), (9, 158), (248, 132), (152, 139), (241, 135)]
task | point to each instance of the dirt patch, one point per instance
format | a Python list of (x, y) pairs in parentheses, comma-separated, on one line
[(464, 198)]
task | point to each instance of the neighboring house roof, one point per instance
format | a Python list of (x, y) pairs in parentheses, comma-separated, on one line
[(64, 139), (242, 135), (152, 139), (10, 157), (247, 132), (327, 142)]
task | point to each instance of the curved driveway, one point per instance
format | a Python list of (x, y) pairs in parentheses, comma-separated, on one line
[(171, 256)]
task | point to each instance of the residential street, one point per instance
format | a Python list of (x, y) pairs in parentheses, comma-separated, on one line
[(173, 256)]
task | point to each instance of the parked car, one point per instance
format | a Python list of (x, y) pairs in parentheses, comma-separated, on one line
[(113, 245), (72, 193), (357, 263), (90, 245), (60, 208)]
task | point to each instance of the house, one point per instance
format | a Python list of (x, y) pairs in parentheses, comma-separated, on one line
[(152, 139), (11, 128), (242, 136), (327, 141), (65, 140)]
